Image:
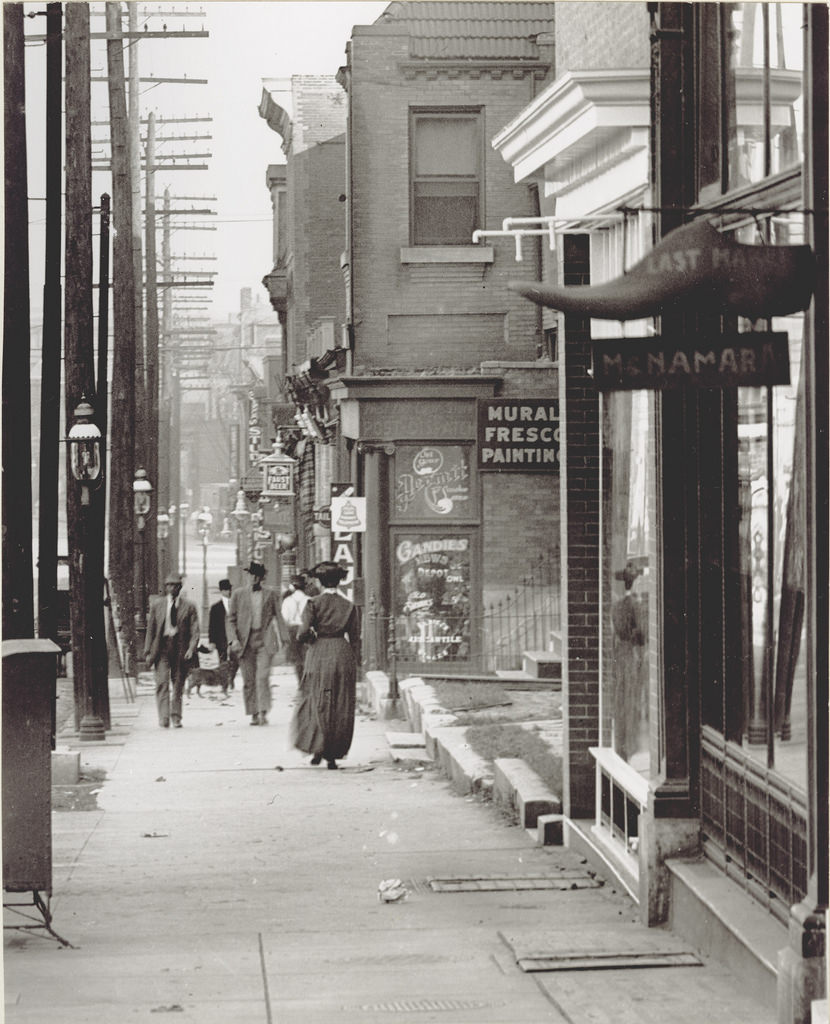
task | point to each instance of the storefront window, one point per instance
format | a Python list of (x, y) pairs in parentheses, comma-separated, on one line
[(770, 435), (750, 92), (432, 482), (627, 574), (432, 596)]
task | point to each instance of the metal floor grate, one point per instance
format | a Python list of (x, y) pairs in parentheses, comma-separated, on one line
[(562, 881)]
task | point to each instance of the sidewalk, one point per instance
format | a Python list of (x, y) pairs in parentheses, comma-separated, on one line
[(221, 878)]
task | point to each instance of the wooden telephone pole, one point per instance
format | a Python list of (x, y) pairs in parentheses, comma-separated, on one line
[(122, 418)]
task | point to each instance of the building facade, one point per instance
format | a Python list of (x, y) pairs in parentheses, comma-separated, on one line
[(438, 342), (696, 527)]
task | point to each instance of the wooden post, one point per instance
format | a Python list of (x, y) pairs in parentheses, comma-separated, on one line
[(18, 588), (155, 573), (84, 588), (50, 381), (98, 498), (122, 417)]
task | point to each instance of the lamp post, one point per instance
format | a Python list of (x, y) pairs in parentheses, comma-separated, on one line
[(184, 508), (84, 440), (240, 516), (203, 523), (162, 533), (142, 489)]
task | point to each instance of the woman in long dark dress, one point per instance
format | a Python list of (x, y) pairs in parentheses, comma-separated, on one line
[(323, 722)]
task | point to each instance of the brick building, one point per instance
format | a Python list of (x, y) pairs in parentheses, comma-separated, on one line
[(435, 333), (694, 520)]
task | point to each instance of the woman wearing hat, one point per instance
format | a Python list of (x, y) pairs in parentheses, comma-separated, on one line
[(324, 717)]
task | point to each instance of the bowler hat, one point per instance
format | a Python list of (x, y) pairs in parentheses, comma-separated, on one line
[(224, 584), (256, 569), (173, 577)]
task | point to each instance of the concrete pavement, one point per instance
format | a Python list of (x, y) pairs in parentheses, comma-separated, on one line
[(221, 878)]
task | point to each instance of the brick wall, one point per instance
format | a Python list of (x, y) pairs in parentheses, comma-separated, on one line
[(580, 474), (594, 36), (317, 180), (381, 98)]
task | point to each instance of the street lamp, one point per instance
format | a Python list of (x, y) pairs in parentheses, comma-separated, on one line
[(184, 508), (162, 533), (84, 440), (240, 516), (142, 489), (203, 523)]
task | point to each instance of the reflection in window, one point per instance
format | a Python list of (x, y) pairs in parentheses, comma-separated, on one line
[(627, 512), (773, 658), (750, 93)]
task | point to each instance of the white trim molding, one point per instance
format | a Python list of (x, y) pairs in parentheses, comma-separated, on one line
[(580, 115)]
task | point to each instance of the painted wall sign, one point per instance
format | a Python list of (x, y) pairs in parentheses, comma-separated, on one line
[(517, 434), (723, 361), (432, 481), (432, 597)]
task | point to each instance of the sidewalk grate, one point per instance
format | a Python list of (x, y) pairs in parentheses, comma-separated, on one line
[(562, 881), (426, 1006), (595, 949)]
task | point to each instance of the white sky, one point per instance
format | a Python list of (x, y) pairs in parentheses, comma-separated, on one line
[(249, 41)]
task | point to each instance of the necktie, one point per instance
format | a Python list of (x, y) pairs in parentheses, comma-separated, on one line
[(173, 614)]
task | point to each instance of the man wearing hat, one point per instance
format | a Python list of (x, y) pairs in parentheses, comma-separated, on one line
[(293, 604), (170, 647), (255, 634), (218, 636)]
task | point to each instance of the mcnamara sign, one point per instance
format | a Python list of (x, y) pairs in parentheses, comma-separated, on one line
[(721, 361), (516, 434)]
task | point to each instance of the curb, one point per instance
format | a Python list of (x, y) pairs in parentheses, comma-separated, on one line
[(509, 782)]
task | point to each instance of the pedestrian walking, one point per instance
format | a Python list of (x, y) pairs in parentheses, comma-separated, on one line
[(323, 722), (218, 635), (294, 601), (170, 647), (255, 634)]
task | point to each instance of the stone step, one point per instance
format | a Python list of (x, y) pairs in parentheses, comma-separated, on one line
[(543, 665)]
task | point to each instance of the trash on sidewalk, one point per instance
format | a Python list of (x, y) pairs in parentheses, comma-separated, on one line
[(155, 835), (161, 778), (392, 890), (175, 1008)]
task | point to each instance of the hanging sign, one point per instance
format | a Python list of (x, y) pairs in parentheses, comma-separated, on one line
[(518, 434), (348, 514), (343, 540), (753, 359)]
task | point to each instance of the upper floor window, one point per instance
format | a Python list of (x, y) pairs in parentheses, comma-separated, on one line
[(445, 176), (750, 93)]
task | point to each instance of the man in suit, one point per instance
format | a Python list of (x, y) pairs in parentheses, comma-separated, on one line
[(170, 647), (218, 636), (255, 634)]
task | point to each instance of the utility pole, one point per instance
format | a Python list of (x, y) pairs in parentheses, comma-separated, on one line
[(168, 446), (85, 588), (157, 572), (122, 418), (133, 137), (18, 588), (98, 497), (50, 384)]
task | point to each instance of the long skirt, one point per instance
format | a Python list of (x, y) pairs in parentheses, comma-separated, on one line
[(324, 715)]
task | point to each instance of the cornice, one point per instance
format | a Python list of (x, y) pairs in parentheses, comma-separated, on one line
[(435, 70)]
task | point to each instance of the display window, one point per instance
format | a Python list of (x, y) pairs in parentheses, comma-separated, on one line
[(628, 575), (432, 596)]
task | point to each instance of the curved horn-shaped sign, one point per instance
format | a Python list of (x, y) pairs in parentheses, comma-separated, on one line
[(697, 266)]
